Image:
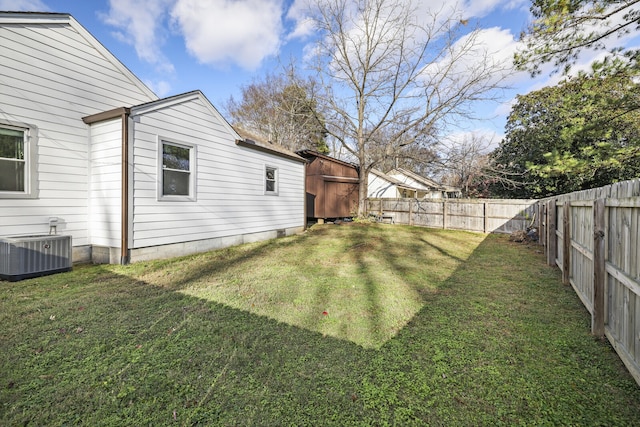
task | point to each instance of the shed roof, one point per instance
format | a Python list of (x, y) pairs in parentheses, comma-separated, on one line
[(309, 154)]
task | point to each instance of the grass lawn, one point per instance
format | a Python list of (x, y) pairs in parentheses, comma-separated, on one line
[(343, 325)]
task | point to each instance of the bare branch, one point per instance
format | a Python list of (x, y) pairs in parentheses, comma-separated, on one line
[(391, 75)]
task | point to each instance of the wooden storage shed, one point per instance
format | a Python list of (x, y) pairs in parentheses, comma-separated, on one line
[(332, 186)]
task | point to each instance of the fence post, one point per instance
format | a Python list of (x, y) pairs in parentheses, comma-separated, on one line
[(444, 215), (486, 219), (542, 232), (599, 272), (551, 233), (566, 242), (410, 211)]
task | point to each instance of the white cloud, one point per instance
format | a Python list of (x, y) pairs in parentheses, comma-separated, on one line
[(481, 8), (297, 13), (504, 109), (222, 32), (24, 5), (482, 56), (499, 43), (425, 10), (140, 24), (161, 88), (303, 28), (487, 139)]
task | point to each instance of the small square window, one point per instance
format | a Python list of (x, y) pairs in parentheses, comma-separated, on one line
[(271, 180), (177, 171)]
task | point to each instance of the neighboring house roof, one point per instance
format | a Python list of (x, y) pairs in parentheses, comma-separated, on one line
[(250, 140), (429, 184), (392, 180), (46, 18)]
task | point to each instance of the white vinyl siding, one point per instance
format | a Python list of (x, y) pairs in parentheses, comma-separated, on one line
[(53, 74), (105, 183), (380, 188), (230, 181)]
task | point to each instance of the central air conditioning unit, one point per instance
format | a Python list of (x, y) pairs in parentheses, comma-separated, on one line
[(23, 257)]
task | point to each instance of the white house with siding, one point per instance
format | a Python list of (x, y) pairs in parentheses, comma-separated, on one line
[(426, 188), (383, 186), (127, 175)]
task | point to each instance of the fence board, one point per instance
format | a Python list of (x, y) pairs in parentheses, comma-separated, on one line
[(552, 241), (566, 242), (605, 262), (599, 272), (592, 235), (481, 215)]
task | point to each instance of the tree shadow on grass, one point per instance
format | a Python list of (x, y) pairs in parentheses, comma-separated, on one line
[(141, 354), (485, 348)]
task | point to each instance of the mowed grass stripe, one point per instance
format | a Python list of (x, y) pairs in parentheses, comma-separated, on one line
[(423, 327)]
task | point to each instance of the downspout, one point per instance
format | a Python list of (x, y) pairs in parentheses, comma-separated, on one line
[(124, 191), (306, 165)]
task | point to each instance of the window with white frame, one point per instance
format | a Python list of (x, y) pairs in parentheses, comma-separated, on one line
[(16, 162), (271, 180), (177, 171)]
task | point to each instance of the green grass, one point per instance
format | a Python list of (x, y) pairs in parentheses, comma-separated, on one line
[(422, 327)]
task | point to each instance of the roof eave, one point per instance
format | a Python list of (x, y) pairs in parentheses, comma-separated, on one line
[(248, 143)]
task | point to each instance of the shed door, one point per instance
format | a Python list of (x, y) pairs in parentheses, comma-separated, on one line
[(341, 199)]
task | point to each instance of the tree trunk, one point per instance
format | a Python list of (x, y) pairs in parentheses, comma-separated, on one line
[(362, 192)]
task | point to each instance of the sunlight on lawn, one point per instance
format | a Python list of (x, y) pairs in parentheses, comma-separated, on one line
[(357, 283)]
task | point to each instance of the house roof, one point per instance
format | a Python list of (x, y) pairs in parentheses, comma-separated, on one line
[(47, 18), (250, 140), (243, 137), (158, 104), (180, 99)]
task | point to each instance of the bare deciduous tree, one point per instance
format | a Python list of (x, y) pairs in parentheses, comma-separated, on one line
[(463, 162), (280, 110), (397, 73)]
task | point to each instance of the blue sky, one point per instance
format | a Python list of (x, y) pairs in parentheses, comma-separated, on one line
[(217, 46)]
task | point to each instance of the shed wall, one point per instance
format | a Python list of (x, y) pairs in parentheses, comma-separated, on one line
[(331, 192)]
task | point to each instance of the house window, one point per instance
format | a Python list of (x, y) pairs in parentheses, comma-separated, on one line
[(16, 162), (271, 180), (177, 171)]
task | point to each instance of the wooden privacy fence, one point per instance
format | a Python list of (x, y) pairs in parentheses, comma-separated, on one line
[(593, 237), (483, 215)]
